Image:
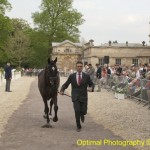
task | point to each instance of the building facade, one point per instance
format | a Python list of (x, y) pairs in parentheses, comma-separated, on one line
[(67, 53), (118, 53)]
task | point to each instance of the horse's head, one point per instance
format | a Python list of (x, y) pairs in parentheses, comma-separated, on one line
[(51, 72)]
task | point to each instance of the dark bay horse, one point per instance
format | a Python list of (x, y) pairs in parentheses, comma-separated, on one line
[(48, 83)]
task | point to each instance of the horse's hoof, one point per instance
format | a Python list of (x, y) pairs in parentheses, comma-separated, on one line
[(47, 126), (55, 119), (50, 117)]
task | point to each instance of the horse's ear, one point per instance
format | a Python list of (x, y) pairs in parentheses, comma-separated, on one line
[(48, 60), (55, 60)]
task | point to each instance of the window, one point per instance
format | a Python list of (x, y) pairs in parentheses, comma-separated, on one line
[(85, 63), (101, 61), (67, 50), (135, 61), (118, 61)]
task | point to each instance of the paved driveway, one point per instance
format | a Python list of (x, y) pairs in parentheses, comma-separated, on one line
[(24, 132)]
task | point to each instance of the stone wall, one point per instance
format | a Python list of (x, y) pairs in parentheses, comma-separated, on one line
[(126, 54)]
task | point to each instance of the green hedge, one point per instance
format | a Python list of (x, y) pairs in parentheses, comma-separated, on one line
[(2, 70)]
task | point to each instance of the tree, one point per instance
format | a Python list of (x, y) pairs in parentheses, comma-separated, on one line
[(4, 5), (38, 47), (4, 22), (59, 20), (5, 28), (18, 44)]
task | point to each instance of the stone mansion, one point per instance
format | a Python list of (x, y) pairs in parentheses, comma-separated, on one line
[(68, 53)]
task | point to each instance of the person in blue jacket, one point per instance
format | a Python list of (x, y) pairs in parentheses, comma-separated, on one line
[(8, 76)]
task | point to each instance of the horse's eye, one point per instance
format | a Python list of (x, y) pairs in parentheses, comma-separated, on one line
[(53, 68)]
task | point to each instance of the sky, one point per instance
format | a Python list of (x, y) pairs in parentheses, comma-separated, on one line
[(121, 20)]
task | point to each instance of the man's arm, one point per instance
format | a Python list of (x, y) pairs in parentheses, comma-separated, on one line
[(91, 71), (98, 73), (90, 83), (65, 85)]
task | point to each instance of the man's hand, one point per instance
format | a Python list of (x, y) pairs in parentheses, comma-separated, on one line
[(89, 89), (61, 93)]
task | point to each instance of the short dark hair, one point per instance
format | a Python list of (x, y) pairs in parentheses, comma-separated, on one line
[(145, 64), (79, 62)]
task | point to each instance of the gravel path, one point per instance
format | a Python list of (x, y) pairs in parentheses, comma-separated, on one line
[(24, 132), (10, 101), (124, 118)]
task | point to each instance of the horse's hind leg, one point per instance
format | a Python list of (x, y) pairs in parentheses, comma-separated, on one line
[(51, 105), (55, 119), (47, 115)]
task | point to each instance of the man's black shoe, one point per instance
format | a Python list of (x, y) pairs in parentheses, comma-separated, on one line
[(78, 129), (82, 118)]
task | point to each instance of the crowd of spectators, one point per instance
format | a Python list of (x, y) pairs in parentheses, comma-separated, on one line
[(136, 79), (30, 72)]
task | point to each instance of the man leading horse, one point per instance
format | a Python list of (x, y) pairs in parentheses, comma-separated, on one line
[(79, 82)]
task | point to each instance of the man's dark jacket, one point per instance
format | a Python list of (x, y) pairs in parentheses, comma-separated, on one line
[(8, 73), (79, 92), (98, 72)]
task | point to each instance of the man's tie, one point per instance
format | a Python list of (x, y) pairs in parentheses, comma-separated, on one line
[(79, 78)]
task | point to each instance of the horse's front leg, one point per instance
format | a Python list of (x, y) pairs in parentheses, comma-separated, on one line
[(55, 119), (47, 125)]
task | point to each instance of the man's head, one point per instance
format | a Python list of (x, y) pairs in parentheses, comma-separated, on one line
[(97, 65), (8, 64), (90, 65), (79, 66)]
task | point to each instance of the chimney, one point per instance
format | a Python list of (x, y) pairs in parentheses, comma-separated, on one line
[(91, 42)]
